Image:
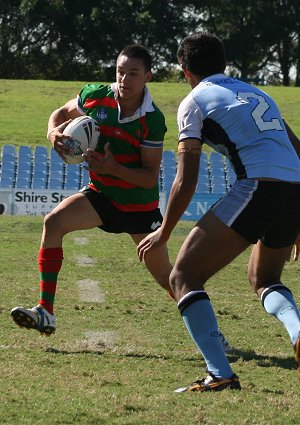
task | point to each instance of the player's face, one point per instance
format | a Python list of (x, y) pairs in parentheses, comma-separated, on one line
[(131, 77)]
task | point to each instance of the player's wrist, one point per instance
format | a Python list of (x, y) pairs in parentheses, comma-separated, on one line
[(49, 133)]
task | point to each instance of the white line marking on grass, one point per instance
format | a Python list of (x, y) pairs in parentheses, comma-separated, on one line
[(89, 291), (99, 340), (81, 241), (85, 261)]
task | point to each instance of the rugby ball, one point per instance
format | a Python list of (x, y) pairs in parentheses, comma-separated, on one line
[(84, 133)]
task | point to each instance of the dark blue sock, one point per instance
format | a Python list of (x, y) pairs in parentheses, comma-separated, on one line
[(279, 302), (201, 322)]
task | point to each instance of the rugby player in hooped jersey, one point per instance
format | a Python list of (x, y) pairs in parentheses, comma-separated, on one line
[(262, 207), (123, 193)]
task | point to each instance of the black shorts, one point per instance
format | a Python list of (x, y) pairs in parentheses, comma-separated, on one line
[(116, 221), (265, 210)]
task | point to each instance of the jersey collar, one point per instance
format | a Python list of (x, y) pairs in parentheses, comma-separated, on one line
[(146, 106)]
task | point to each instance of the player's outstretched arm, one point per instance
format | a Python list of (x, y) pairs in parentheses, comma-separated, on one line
[(181, 194)]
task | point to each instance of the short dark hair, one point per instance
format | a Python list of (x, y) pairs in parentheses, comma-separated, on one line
[(202, 53), (138, 51)]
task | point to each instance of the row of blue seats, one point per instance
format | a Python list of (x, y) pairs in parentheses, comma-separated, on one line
[(25, 154), (42, 168), (38, 168), (215, 174), (76, 183), (40, 183)]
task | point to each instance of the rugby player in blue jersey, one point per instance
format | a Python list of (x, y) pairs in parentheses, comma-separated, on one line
[(261, 208)]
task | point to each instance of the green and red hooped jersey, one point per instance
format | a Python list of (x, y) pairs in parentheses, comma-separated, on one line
[(125, 137)]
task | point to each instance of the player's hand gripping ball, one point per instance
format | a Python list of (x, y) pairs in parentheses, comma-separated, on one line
[(84, 133)]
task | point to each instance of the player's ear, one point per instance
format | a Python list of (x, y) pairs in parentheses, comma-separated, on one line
[(187, 73), (148, 76)]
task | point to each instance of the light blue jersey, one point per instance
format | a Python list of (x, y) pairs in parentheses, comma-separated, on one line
[(243, 123)]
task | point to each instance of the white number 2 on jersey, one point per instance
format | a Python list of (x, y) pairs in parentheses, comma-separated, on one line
[(259, 111)]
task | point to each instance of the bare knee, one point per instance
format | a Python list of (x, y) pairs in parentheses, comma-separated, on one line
[(259, 283), (181, 283), (53, 223)]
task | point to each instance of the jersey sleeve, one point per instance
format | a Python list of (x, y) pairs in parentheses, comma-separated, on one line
[(89, 95), (189, 119), (155, 130)]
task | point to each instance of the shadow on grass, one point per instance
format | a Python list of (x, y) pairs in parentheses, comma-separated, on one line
[(236, 355), (53, 350), (262, 360)]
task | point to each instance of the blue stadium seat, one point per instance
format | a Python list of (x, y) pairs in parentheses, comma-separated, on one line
[(10, 149), (40, 150), (218, 188), (54, 157), (169, 158), (202, 187), (217, 170), (169, 154), (166, 185), (56, 174), (216, 158), (169, 162), (23, 183), (40, 166), (8, 170), (203, 171), (203, 178), (24, 150), (55, 183), (169, 170), (73, 171), (39, 174), (8, 157), (6, 182), (72, 179), (203, 160), (56, 166), (23, 174), (230, 176), (72, 184), (218, 179), (85, 177), (39, 183), (8, 165), (24, 165), (24, 157), (167, 181), (40, 161)]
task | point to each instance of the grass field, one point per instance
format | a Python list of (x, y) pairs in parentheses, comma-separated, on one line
[(121, 347), (25, 107)]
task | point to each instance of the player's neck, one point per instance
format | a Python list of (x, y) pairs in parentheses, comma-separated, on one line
[(129, 107)]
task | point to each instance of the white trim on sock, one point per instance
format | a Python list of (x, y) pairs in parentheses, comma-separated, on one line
[(188, 295)]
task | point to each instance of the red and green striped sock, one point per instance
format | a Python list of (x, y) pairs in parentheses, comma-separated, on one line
[(49, 261)]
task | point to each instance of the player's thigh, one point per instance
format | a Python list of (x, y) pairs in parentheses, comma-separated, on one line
[(209, 247), (157, 262), (266, 265), (74, 213)]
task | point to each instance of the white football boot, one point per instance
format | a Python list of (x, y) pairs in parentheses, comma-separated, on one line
[(35, 318)]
